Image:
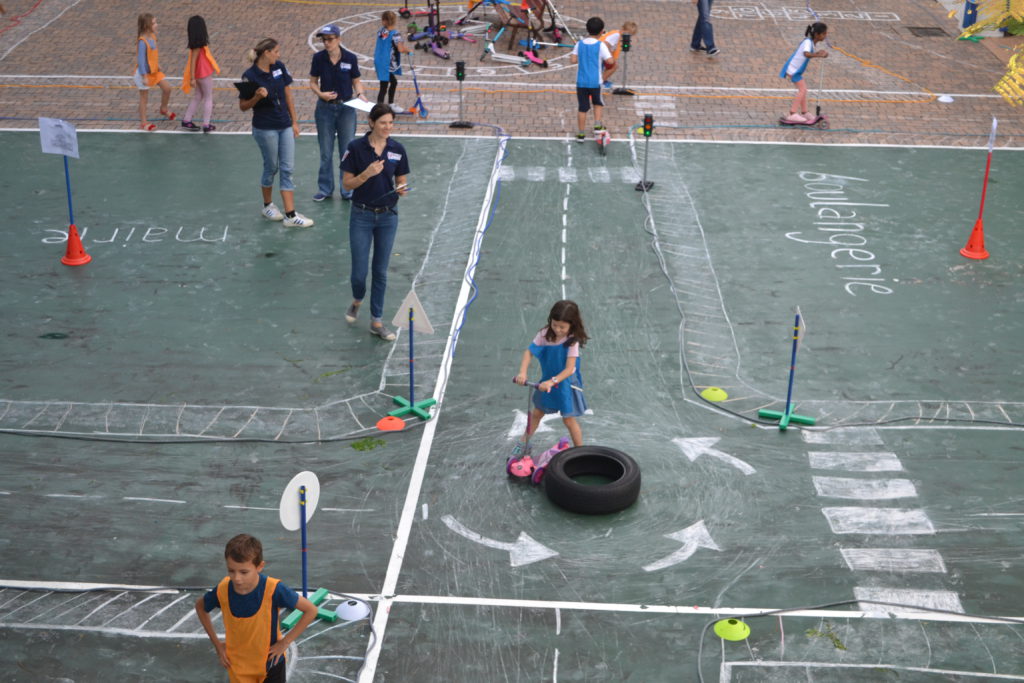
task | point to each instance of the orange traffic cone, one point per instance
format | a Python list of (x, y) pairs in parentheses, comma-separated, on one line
[(975, 247), (75, 254)]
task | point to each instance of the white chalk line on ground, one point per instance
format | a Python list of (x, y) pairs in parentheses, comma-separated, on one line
[(912, 613), (563, 138), (32, 33), (725, 674), (418, 474), (572, 86)]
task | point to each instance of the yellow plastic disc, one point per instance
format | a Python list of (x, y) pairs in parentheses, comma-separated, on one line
[(714, 394)]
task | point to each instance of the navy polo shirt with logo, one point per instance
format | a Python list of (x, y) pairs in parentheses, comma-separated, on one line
[(359, 156), (335, 77), (270, 113)]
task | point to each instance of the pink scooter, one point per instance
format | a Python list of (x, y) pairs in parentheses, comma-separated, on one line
[(819, 120), (526, 466)]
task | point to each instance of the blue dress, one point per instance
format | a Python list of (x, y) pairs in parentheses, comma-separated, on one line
[(563, 398)]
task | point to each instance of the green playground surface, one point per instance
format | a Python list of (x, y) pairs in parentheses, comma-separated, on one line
[(156, 401)]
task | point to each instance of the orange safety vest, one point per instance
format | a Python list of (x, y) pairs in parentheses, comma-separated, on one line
[(248, 638), (186, 83), (618, 46), (153, 61)]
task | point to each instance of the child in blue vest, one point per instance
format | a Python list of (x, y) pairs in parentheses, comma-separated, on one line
[(592, 56), (387, 56)]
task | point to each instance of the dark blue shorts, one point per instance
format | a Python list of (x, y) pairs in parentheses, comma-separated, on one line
[(587, 95)]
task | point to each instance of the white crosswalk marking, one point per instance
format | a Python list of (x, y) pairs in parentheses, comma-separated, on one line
[(864, 489), (896, 560), (855, 462), (569, 174), (941, 600), (881, 521)]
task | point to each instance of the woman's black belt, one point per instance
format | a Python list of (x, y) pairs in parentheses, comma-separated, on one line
[(374, 209)]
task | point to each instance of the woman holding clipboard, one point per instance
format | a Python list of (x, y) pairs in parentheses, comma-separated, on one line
[(375, 169), (264, 90)]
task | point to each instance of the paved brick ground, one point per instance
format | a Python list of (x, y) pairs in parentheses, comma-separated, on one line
[(74, 58)]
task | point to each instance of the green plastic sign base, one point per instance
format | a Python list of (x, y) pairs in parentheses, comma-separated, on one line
[(316, 598), (785, 418), (419, 408)]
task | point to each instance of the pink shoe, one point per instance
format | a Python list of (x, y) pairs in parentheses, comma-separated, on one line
[(794, 118)]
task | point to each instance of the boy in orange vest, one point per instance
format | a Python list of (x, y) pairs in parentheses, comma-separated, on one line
[(253, 650), (613, 39)]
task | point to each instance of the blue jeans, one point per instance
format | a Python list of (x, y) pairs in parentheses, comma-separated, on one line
[(332, 121), (702, 30), (366, 228), (278, 148)]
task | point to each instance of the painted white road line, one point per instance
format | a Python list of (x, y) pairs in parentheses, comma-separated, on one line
[(878, 521), (874, 461), (690, 610), (859, 436), (79, 586), (943, 600), (896, 560), (864, 489), (725, 675), (419, 469)]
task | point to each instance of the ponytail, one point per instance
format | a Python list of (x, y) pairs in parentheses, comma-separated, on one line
[(266, 44), (815, 29)]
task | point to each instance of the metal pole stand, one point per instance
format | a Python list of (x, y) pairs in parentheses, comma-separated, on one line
[(644, 185), (462, 122), (627, 41), (417, 408)]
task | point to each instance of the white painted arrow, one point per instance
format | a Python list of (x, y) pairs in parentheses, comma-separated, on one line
[(692, 537), (694, 448), (525, 550)]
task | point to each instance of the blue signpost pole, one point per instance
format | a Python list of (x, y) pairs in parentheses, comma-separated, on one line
[(787, 416), (67, 183), (302, 525), (410, 405)]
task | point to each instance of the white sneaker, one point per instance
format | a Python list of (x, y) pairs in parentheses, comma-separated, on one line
[(273, 213), (298, 221)]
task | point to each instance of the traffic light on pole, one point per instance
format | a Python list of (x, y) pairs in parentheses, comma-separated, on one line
[(626, 42), (648, 125), (460, 71)]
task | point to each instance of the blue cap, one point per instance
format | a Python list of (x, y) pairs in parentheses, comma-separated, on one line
[(328, 30)]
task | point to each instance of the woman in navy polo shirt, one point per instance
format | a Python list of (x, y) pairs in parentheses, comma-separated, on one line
[(334, 77), (375, 169), (275, 128)]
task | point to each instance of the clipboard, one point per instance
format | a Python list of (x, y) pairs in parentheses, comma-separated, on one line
[(246, 89)]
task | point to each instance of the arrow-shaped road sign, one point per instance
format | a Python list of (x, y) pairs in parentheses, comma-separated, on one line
[(524, 551), (692, 537), (694, 448)]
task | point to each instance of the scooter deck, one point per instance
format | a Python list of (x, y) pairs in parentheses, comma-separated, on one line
[(819, 122)]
